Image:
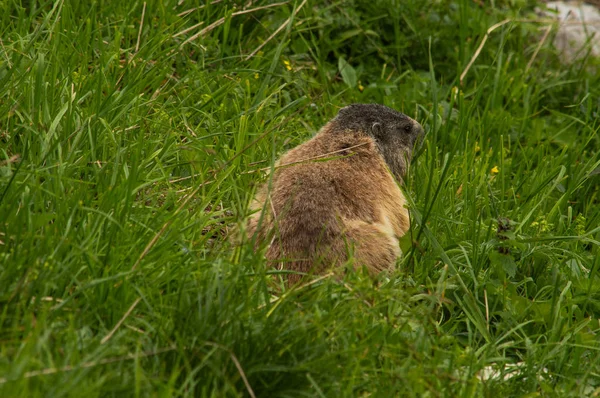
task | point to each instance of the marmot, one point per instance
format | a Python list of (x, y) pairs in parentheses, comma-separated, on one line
[(336, 194)]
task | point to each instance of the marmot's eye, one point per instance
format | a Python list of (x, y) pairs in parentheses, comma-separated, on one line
[(408, 128)]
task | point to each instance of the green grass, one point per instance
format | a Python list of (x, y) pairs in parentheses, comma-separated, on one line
[(128, 155)]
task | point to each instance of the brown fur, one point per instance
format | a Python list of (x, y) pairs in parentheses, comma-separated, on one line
[(333, 195)]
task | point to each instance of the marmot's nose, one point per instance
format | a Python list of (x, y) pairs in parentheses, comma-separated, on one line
[(419, 129), (419, 134)]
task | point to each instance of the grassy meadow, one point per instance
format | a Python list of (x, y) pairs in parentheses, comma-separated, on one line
[(133, 135)]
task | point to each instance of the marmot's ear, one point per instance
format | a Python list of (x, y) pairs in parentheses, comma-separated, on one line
[(377, 130)]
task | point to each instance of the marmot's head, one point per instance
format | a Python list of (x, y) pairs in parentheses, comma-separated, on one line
[(394, 133)]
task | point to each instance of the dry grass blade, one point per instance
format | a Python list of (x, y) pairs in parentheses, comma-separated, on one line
[(279, 300), (6, 54), (184, 178), (220, 21), (112, 332), (487, 309), (189, 29), (137, 44), (485, 37), (191, 10), (537, 50), (237, 365)]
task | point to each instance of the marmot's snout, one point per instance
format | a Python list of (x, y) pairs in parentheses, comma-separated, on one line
[(418, 134)]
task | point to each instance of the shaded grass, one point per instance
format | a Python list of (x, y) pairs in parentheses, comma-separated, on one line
[(123, 173)]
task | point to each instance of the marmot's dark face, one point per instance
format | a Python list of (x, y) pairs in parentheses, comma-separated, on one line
[(395, 133)]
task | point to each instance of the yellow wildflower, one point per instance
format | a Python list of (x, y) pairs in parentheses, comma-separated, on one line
[(455, 92), (256, 75), (495, 170), (287, 64), (361, 88)]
